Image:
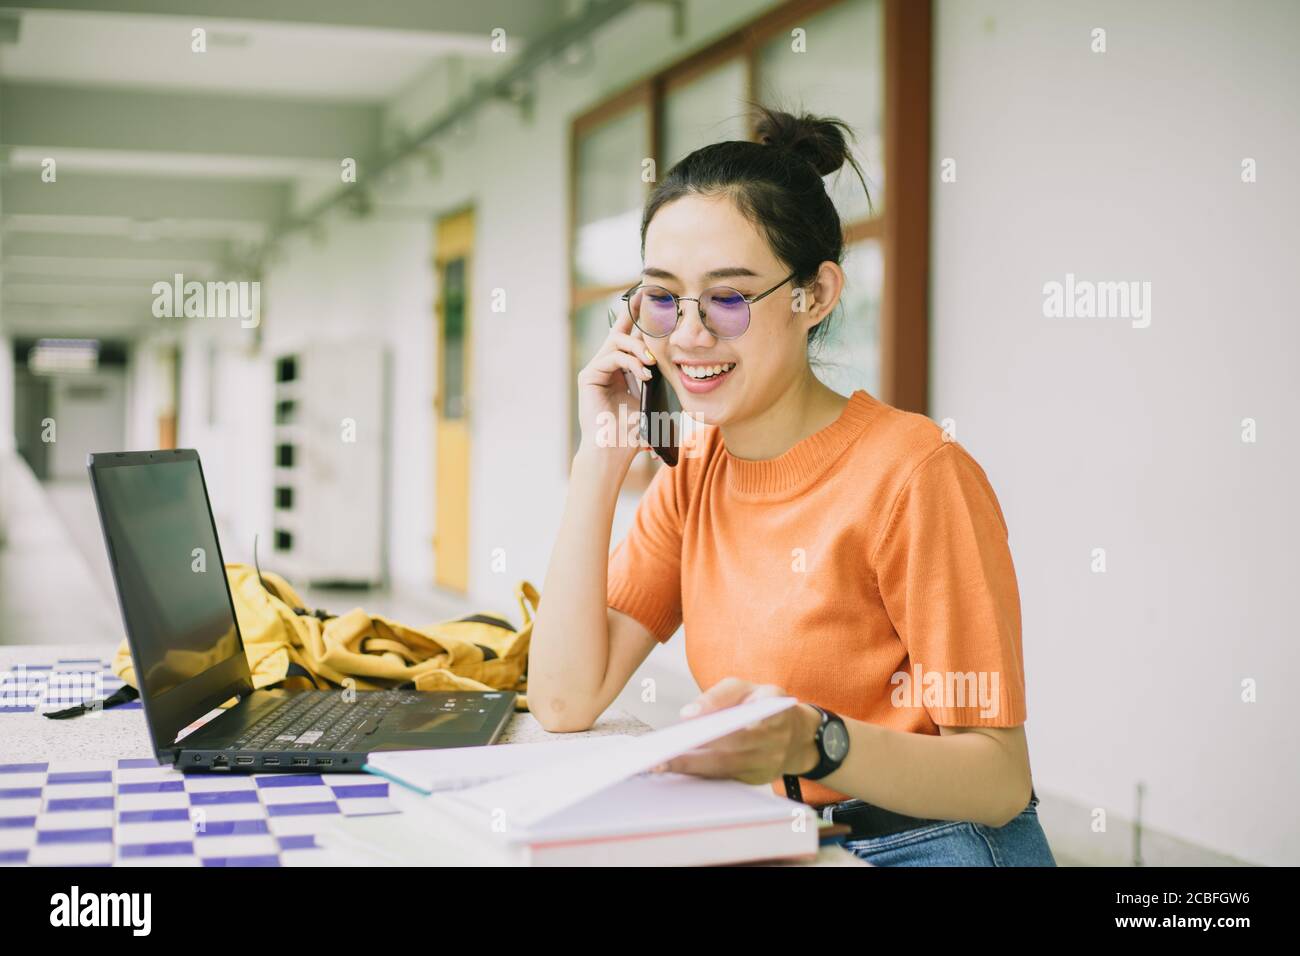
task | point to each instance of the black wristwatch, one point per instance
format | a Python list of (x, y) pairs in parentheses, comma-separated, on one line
[(832, 742)]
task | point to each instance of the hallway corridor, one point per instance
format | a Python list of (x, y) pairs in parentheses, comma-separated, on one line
[(49, 592)]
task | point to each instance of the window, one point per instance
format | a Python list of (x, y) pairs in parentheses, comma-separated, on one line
[(704, 109), (611, 146), (848, 357), (609, 198), (835, 68), (452, 380), (286, 369)]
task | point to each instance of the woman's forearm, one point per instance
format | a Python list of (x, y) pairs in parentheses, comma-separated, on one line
[(569, 652), (968, 775)]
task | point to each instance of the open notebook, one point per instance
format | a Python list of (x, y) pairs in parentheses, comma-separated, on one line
[(592, 801)]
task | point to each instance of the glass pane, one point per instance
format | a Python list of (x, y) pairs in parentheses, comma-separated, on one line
[(849, 357), (453, 339), (610, 195), (839, 73), (709, 109)]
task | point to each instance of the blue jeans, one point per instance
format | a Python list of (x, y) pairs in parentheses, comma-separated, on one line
[(1021, 842)]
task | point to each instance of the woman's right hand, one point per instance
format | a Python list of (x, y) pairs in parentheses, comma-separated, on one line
[(608, 412)]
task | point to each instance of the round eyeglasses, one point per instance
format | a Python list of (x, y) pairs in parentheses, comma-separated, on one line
[(723, 310)]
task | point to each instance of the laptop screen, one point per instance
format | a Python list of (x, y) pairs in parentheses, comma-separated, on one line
[(170, 578)]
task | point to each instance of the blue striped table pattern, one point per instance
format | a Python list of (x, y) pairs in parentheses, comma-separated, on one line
[(132, 811), (36, 688)]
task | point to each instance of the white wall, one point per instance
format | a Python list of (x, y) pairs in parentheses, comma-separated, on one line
[(6, 394), (226, 412), (147, 390), (89, 410), (1126, 166), (363, 280)]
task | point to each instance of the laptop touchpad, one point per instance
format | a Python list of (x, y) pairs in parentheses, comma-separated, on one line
[(452, 716)]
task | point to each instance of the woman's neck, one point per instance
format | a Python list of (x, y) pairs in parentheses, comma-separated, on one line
[(804, 408)]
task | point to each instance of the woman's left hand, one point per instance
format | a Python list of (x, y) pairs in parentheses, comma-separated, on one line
[(781, 744)]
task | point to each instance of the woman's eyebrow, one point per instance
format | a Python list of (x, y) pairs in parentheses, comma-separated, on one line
[(730, 272)]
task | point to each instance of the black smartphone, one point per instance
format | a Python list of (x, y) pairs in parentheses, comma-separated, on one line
[(661, 416), (661, 413)]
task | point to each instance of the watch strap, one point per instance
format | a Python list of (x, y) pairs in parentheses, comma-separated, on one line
[(792, 788)]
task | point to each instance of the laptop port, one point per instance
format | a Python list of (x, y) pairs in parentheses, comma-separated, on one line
[(270, 761), (324, 762), (219, 762), (300, 761), (244, 761)]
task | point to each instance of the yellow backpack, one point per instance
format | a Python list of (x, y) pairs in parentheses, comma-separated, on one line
[(289, 646)]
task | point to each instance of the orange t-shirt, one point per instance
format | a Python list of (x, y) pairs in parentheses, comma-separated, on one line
[(866, 570)]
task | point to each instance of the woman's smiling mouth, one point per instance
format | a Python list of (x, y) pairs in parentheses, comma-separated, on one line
[(700, 377)]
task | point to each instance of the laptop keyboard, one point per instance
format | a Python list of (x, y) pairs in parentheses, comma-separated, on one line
[(321, 720)]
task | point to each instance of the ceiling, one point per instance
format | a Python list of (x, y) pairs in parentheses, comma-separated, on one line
[(169, 160)]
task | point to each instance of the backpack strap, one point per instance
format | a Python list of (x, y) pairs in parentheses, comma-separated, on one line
[(123, 695), (273, 590), (126, 693), (297, 670)]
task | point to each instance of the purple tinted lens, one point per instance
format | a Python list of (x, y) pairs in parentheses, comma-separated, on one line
[(726, 312), (654, 310)]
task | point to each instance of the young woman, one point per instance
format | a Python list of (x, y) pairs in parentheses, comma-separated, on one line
[(837, 550)]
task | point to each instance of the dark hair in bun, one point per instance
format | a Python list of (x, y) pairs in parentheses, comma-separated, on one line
[(777, 184), (820, 140)]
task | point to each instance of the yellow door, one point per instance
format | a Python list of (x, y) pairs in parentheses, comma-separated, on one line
[(452, 256)]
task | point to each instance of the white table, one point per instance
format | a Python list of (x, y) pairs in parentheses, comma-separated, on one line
[(116, 733)]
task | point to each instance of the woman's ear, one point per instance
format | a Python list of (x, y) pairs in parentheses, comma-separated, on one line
[(814, 302)]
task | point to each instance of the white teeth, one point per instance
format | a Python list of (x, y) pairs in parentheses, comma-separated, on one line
[(707, 371)]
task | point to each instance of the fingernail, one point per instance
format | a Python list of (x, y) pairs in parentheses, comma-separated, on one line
[(648, 356), (645, 373)]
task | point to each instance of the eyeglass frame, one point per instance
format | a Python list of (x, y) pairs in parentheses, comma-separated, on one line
[(679, 299)]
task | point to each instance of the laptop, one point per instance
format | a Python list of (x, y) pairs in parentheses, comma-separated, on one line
[(189, 655)]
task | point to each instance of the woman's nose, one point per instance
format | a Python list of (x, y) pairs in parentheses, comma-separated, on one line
[(691, 331)]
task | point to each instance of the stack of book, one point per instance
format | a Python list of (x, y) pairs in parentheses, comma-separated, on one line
[(591, 802)]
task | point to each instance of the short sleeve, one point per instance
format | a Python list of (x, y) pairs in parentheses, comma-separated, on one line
[(943, 566), (645, 580)]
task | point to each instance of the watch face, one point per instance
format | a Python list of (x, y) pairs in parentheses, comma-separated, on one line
[(835, 741)]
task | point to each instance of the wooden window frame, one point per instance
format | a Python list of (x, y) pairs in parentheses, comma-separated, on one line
[(902, 224)]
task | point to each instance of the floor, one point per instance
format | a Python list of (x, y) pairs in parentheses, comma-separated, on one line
[(48, 591), (72, 502)]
